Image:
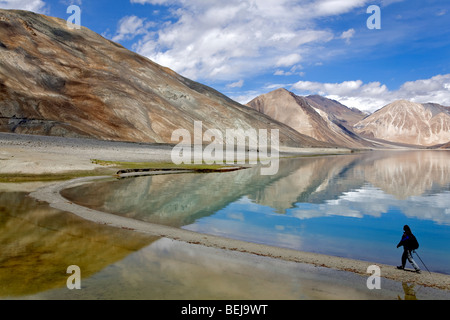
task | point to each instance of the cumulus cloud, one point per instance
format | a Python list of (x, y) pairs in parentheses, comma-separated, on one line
[(222, 40), (373, 96), (130, 27), (333, 7), (237, 84), (239, 39), (347, 35), (37, 6), (289, 60)]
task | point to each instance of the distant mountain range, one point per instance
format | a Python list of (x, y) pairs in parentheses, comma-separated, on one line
[(401, 122), (75, 83)]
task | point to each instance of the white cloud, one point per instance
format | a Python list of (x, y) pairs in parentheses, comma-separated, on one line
[(373, 96), (293, 71), (222, 40), (71, 2), (37, 6), (130, 27), (241, 39), (289, 60), (347, 35), (237, 84), (247, 96), (333, 7)]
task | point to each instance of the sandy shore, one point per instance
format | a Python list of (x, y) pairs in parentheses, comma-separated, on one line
[(51, 194), (52, 155), (39, 155)]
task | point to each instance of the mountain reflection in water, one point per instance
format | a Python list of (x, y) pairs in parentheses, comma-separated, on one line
[(353, 206), (38, 243)]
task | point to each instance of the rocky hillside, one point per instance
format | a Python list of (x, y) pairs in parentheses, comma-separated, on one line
[(75, 83), (409, 123), (342, 114), (317, 117), (445, 146)]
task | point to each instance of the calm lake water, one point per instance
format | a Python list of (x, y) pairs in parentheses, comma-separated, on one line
[(351, 206)]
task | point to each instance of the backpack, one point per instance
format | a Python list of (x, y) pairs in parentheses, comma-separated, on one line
[(413, 243)]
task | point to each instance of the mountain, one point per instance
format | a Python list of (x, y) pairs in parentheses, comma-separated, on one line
[(445, 146), (312, 116), (441, 146), (409, 123), (346, 116), (74, 83)]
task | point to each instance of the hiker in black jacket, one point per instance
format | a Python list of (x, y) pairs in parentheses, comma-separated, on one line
[(409, 243)]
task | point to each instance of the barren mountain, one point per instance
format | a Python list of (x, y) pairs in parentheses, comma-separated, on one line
[(75, 83), (305, 116), (408, 122), (445, 146), (344, 115)]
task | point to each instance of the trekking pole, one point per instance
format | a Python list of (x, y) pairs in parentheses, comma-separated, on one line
[(421, 261)]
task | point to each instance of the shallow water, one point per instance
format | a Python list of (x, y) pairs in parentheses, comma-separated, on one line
[(351, 206), (38, 244)]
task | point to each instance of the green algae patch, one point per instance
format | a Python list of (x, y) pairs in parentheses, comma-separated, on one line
[(111, 168), (129, 167)]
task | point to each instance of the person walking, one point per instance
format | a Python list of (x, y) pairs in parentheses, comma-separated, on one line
[(409, 243)]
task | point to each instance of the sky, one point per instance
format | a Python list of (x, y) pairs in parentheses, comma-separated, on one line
[(245, 48)]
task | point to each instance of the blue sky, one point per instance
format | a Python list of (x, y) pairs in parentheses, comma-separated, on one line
[(244, 48)]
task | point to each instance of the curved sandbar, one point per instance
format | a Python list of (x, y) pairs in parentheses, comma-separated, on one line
[(51, 194)]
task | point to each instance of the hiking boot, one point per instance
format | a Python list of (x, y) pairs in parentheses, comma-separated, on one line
[(400, 267), (418, 271)]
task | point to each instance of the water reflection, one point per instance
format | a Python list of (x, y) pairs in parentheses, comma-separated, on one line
[(174, 270), (38, 243), (350, 206), (356, 185), (410, 292)]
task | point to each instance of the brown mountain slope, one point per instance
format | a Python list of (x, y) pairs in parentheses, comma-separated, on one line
[(408, 122), (300, 114), (445, 146), (342, 114), (64, 82)]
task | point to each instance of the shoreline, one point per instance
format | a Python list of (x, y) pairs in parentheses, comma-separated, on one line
[(51, 194), (34, 155)]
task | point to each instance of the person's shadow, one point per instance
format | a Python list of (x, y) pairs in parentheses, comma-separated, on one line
[(410, 293)]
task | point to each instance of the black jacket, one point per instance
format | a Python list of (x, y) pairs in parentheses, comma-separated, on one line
[(409, 242)]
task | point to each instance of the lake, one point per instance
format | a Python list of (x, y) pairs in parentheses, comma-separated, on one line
[(351, 206)]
